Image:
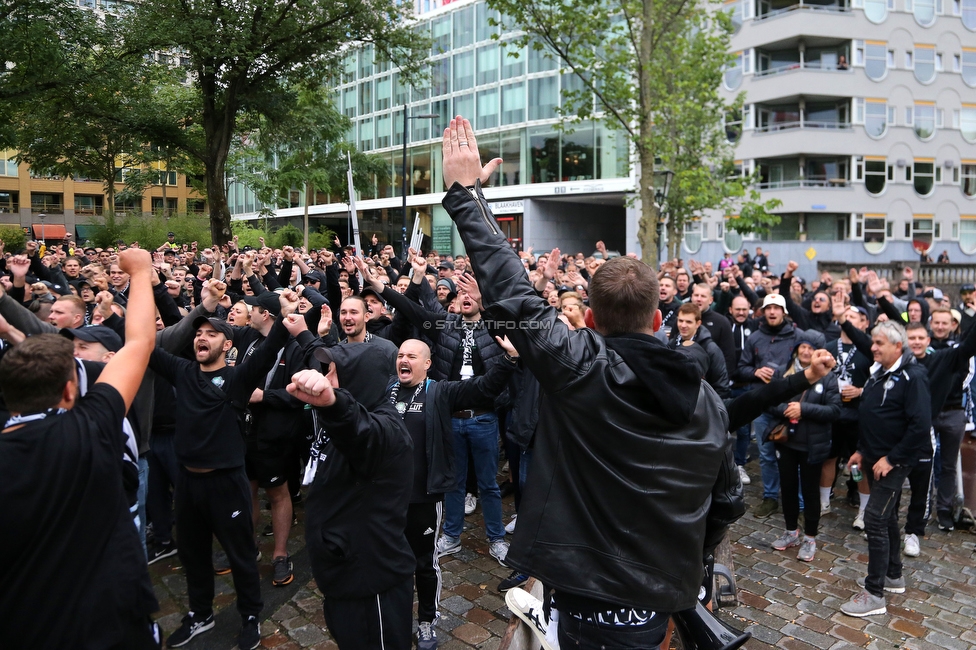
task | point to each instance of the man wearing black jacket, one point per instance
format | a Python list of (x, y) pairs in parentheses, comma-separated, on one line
[(655, 441), (213, 496), (895, 416)]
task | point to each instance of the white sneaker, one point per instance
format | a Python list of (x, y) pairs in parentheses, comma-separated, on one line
[(529, 608), (912, 548), (470, 503), (824, 509), (743, 477), (510, 526), (499, 550), (858, 522)]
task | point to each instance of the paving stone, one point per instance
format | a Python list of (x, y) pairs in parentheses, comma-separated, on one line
[(814, 623), (908, 627), (946, 641), (284, 613), (940, 625), (810, 636), (794, 644), (763, 633), (307, 635), (850, 635), (471, 634), (456, 604)]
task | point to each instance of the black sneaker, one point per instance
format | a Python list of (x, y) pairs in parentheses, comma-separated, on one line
[(192, 626), (250, 636), (945, 520), (159, 551), (268, 531), (282, 571), (514, 579)]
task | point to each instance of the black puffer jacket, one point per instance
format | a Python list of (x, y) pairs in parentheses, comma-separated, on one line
[(631, 480), (820, 407), (767, 347)]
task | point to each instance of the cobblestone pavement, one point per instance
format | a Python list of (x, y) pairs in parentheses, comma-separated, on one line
[(785, 603)]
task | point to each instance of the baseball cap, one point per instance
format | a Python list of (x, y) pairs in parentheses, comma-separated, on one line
[(95, 334), (775, 299), (368, 291), (934, 294), (312, 276), (267, 301), (967, 288), (219, 325), (171, 234), (169, 251), (446, 264), (956, 316), (861, 310)]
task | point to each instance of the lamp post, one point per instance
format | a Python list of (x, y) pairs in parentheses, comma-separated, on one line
[(662, 185), (406, 124), (42, 217)]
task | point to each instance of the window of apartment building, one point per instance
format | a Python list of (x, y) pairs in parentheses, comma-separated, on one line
[(874, 171), (733, 126), (88, 205), (483, 19), (8, 166), (873, 230), (440, 33), (513, 103), (734, 8), (169, 207), (512, 67), (925, 175), (366, 62), (875, 58), (487, 109), (464, 105), (9, 202), (968, 177), (46, 203), (366, 134), (924, 10), (968, 67), (875, 10), (874, 114), (541, 58), (965, 120), (693, 236), (384, 126), (349, 68), (440, 77), (922, 116), (731, 240), (967, 233), (464, 27), (543, 97), (733, 74), (968, 12), (464, 70), (487, 64), (365, 97), (925, 58), (922, 231)]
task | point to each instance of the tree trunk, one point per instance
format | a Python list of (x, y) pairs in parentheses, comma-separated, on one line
[(308, 194), (647, 228), (217, 200)]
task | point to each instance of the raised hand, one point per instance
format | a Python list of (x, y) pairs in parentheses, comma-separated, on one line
[(791, 268), (103, 304), (468, 284), (295, 324), (507, 346), (552, 264), (289, 253), (821, 364), (462, 160), (312, 387), (369, 275), (289, 302), (325, 321), (19, 265)]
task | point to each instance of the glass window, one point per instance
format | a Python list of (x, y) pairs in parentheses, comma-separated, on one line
[(876, 10), (488, 109), (8, 166), (924, 180), (464, 105), (875, 118), (967, 122), (875, 229), (731, 239), (483, 19), (9, 201), (512, 67), (464, 70), (969, 65), (924, 63), (967, 235), (440, 77), (734, 9), (487, 64), (693, 236), (543, 97), (875, 175), (384, 91), (366, 134), (733, 74), (365, 97), (924, 12), (420, 128), (733, 126), (513, 103), (440, 33), (384, 126), (463, 27), (968, 180), (875, 59), (544, 154), (366, 62), (349, 68), (401, 91), (349, 101), (925, 120), (578, 154), (511, 168), (540, 58), (969, 14), (923, 231)]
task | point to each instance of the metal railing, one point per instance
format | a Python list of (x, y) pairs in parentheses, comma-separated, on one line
[(802, 6), (793, 67), (803, 124), (52, 208), (805, 182)]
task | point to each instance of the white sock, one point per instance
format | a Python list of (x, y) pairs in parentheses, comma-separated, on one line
[(808, 538), (825, 496), (864, 503)]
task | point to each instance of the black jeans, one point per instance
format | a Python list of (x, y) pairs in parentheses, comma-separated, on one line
[(217, 504), (919, 505), (950, 427), (576, 633), (164, 471), (881, 526), (375, 622), (795, 473), (423, 522)]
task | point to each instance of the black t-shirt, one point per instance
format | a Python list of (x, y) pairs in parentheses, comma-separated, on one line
[(72, 568), (414, 400)]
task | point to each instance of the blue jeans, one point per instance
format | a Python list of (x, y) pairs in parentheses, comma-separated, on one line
[(743, 435), (524, 463), (767, 458), (141, 497), (480, 435)]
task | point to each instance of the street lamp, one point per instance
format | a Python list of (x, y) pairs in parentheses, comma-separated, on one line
[(662, 185), (42, 217), (406, 123)]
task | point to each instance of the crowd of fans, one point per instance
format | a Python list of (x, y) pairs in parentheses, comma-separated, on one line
[(249, 338)]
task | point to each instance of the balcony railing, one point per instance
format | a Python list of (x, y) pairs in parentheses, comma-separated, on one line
[(9, 208), (794, 67), (49, 208), (802, 6), (804, 182), (803, 124)]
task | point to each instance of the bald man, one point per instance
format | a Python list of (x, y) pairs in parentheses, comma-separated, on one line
[(426, 407)]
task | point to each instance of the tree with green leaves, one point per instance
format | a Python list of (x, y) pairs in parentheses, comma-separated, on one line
[(651, 69), (307, 150), (248, 58)]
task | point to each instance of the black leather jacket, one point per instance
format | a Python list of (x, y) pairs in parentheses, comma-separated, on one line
[(631, 478)]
